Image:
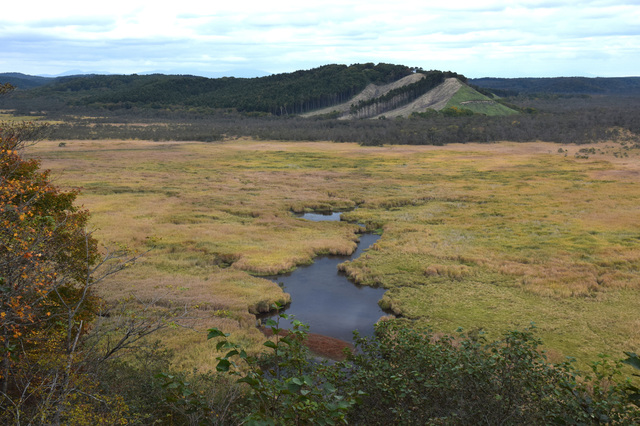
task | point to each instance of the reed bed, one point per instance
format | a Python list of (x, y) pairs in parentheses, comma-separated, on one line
[(488, 236)]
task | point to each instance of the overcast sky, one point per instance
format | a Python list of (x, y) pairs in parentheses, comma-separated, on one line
[(480, 38)]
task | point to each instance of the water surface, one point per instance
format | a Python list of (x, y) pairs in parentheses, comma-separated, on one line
[(326, 300), (321, 217)]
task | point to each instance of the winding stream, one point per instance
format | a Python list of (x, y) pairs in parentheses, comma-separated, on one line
[(325, 298)]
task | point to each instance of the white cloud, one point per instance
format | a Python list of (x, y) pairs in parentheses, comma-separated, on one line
[(506, 38)]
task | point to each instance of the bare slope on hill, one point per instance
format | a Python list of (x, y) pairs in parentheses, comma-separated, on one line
[(436, 98), (372, 91)]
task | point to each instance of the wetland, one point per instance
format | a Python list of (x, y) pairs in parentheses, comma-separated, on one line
[(478, 236)]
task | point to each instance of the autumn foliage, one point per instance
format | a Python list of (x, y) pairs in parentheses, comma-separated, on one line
[(45, 282), (44, 249)]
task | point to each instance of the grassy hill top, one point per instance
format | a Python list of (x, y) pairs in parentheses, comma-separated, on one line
[(468, 98)]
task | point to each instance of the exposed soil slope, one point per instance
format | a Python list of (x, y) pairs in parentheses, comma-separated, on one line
[(436, 98), (370, 92)]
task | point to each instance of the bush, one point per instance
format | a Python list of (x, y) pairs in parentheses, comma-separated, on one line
[(286, 386), (414, 377), (405, 375)]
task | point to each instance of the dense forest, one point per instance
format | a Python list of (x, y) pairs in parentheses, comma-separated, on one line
[(280, 94), (562, 120)]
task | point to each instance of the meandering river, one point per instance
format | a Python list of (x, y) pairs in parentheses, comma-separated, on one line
[(326, 300)]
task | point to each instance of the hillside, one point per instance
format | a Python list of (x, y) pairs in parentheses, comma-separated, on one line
[(333, 91), (372, 91), (448, 94), (24, 81), (354, 91), (280, 94), (468, 98), (361, 90), (437, 99)]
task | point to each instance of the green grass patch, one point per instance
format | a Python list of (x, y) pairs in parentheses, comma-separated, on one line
[(468, 98)]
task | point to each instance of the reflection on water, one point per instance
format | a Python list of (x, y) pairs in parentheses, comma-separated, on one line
[(320, 217), (330, 303)]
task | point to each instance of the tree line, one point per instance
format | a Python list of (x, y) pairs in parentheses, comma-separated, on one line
[(560, 85), (573, 120)]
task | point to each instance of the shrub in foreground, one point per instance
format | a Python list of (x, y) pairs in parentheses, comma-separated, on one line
[(408, 376), (411, 376)]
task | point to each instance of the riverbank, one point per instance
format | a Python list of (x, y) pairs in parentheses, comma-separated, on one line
[(325, 299), (320, 345)]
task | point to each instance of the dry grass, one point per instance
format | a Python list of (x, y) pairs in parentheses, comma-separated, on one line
[(492, 236)]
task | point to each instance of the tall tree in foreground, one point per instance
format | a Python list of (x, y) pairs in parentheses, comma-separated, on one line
[(48, 267)]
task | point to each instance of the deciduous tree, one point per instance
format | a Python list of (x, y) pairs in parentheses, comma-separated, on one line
[(49, 265)]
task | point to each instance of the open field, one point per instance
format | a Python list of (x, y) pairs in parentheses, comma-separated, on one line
[(490, 236)]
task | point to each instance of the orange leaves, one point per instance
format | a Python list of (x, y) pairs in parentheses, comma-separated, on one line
[(45, 256), (43, 251)]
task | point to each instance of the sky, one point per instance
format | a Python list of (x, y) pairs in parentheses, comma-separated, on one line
[(246, 38)]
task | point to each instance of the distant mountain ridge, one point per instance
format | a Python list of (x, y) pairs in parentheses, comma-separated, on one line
[(24, 81), (561, 85)]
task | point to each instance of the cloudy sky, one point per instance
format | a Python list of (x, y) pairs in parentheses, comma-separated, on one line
[(477, 38)]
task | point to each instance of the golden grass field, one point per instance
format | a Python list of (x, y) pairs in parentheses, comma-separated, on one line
[(491, 236)]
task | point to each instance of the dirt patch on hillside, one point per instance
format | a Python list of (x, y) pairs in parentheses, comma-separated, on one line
[(436, 98), (370, 92)]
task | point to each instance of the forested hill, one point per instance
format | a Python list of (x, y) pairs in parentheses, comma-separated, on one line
[(560, 85), (24, 81), (354, 91), (289, 93)]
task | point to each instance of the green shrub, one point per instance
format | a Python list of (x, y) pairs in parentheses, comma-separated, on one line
[(456, 112), (414, 377), (404, 375), (285, 386)]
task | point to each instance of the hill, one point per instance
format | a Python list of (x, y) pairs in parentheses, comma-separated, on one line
[(450, 93), (357, 91), (280, 94), (24, 81), (372, 91)]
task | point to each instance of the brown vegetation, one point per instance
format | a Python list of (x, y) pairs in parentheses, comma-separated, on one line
[(319, 345)]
